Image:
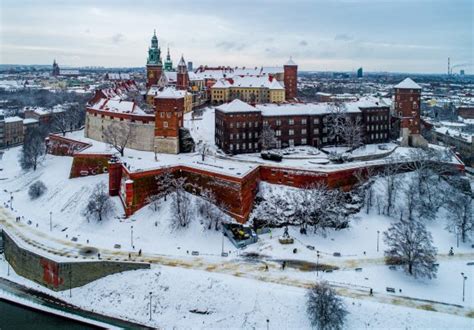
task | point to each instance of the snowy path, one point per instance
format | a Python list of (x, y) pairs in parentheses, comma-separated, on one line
[(238, 267)]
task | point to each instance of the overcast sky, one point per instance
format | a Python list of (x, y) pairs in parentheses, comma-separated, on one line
[(379, 35)]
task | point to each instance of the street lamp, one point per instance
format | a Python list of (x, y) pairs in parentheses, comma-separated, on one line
[(268, 324), (131, 235), (11, 201), (378, 233), (50, 220), (464, 278), (70, 283), (150, 306), (317, 264)]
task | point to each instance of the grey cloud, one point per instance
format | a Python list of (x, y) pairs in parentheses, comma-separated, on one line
[(117, 38), (343, 37), (229, 45), (303, 43)]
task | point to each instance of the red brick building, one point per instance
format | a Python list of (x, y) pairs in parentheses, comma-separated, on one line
[(238, 125), (290, 74)]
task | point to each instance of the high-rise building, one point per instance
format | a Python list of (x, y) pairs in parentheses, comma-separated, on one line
[(360, 73), (461, 72), (190, 66)]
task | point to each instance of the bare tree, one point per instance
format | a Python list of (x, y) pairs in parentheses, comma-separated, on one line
[(99, 204), (62, 122), (391, 183), (351, 132), (209, 210), (33, 148), (460, 218), (267, 138), (203, 149), (365, 180), (336, 121), (411, 245), (165, 182), (182, 208), (325, 309), (118, 135)]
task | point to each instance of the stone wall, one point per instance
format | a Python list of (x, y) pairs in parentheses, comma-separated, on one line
[(89, 164), (142, 130), (57, 275), (62, 146)]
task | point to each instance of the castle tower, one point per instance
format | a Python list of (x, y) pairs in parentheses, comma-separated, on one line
[(154, 67), (55, 71), (169, 111), (182, 77), (290, 73), (168, 62), (407, 108)]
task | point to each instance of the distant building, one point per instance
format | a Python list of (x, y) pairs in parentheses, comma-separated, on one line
[(190, 66), (55, 71), (462, 143), (461, 72), (2, 129), (14, 131), (360, 73), (117, 76)]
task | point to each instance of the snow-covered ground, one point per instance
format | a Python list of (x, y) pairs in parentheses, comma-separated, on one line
[(235, 291)]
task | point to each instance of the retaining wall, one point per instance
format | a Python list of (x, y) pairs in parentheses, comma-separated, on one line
[(57, 275)]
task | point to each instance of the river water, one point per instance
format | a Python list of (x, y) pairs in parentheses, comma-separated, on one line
[(13, 316)]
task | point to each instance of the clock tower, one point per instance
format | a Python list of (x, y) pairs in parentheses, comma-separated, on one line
[(154, 66)]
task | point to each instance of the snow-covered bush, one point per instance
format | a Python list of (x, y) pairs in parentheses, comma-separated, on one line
[(37, 189), (325, 309)]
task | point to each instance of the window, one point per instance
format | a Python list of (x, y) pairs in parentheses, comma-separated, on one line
[(162, 114), (303, 121), (237, 146), (255, 145), (316, 121), (243, 135), (278, 122), (291, 122), (168, 115), (325, 139), (237, 136), (291, 132), (316, 131), (243, 125), (165, 124), (231, 125), (265, 122), (231, 147), (291, 142), (232, 136), (256, 124), (303, 131), (278, 132), (237, 125), (303, 141)]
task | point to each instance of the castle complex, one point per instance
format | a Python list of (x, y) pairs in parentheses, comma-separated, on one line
[(247, 100)]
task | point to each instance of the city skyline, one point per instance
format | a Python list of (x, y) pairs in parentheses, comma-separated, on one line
[(339, 35)]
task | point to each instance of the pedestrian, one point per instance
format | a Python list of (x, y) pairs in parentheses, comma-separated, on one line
[(98, 255), (129, 256), (266, 267), (140, 252), (451, 251), (283, 265), (371, 292)]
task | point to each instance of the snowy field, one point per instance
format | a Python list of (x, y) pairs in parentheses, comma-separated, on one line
[(248, 295)]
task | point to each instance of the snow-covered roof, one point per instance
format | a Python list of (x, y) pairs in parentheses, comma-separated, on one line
[(290, 62), (258, 81), (271, 70), (407, 84), (28, 121), (13, 119), (171, 76), (118, 76), (287, 109), (120, 106), (170, 93), (237, 106)]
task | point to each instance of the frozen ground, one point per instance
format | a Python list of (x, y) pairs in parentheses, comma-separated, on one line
[(236, 292)]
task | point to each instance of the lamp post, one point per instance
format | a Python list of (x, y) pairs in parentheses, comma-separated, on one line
[(464, 278), (222, 253), (378, 234), (11, 201), (150, 306), (268, 324), (317, 264), (131, 236), (70, 283), (50, 220)]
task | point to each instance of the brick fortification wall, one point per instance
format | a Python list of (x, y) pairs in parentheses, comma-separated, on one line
[(89, 164), (57, 275), (61, 146)]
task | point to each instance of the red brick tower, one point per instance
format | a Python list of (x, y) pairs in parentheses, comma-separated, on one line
[(290, 73), (182, 77), (407, 108), (169, 110)]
